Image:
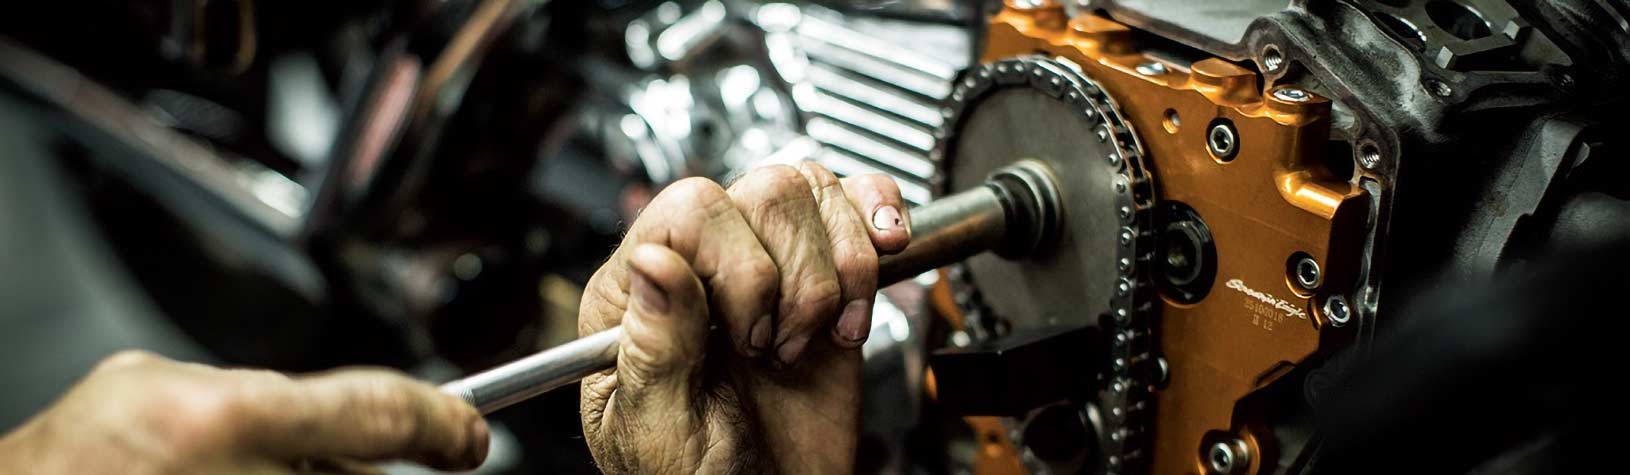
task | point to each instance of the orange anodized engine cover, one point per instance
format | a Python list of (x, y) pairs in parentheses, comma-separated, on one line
[(1267, 205)]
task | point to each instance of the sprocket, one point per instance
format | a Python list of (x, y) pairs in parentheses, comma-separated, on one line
[(1047, 109)]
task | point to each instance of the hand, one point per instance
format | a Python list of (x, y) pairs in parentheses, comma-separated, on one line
[(784, 262), (137, 413)]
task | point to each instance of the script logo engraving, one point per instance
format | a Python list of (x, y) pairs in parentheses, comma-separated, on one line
[(1290, 310)]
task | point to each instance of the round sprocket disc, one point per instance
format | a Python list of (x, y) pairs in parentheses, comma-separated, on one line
[(1081, 277), (1045, 110)]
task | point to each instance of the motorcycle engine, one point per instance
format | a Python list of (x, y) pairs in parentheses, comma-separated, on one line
[(1248, 188), (1295, 236)]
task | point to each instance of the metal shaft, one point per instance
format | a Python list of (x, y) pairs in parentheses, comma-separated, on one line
[(944, 232)]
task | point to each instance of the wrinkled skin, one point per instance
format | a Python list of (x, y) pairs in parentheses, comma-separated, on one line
[(137, 413), (783, 263)]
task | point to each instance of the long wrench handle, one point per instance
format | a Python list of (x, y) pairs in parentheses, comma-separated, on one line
[(943, 232)]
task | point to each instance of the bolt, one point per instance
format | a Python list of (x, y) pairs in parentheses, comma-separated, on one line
[(1292, 94), (1336, 310), (1222, 140), (1177, 259), (1439, 88), (1307, 273), (1151, 69), (1228, 456)]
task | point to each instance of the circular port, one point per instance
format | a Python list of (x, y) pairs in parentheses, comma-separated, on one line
[(1186, 255)]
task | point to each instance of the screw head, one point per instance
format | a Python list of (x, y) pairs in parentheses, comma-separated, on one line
[(1307, 273), (1292, 94), (1337, 311), (1222, 140), (1223, 457)]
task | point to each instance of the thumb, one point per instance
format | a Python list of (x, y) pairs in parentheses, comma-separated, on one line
[(664, 330)]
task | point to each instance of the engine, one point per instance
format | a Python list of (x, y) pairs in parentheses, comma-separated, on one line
[(1292, 236)]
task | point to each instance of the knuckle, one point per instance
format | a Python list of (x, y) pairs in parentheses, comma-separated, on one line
[(882, 186), (773, 175), (692, 193), (193, 419), (388, 411), (694, 189), (759, 272), (125, 359), (774, 183), (818, 175), (853, 261), (818, 299)]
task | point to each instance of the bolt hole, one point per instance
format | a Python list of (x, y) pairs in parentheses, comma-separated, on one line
[(1369, 155), (1172, 122), (1272, 59)]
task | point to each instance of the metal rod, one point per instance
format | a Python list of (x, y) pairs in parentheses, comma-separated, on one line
[(528, 377), (943, 232), (947, 231)]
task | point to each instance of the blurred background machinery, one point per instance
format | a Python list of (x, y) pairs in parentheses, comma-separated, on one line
[(1299, 237)]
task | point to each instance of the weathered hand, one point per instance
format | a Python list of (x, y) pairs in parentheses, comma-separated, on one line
[(784, 263), (137, 413)]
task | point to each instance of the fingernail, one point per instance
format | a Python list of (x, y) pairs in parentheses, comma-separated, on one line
[(792, 348), (650, 297), (478, 440), (759, 336), (852, 325), (886, 218)]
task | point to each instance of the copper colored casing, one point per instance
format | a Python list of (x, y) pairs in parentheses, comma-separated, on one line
[(1273, 199)]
